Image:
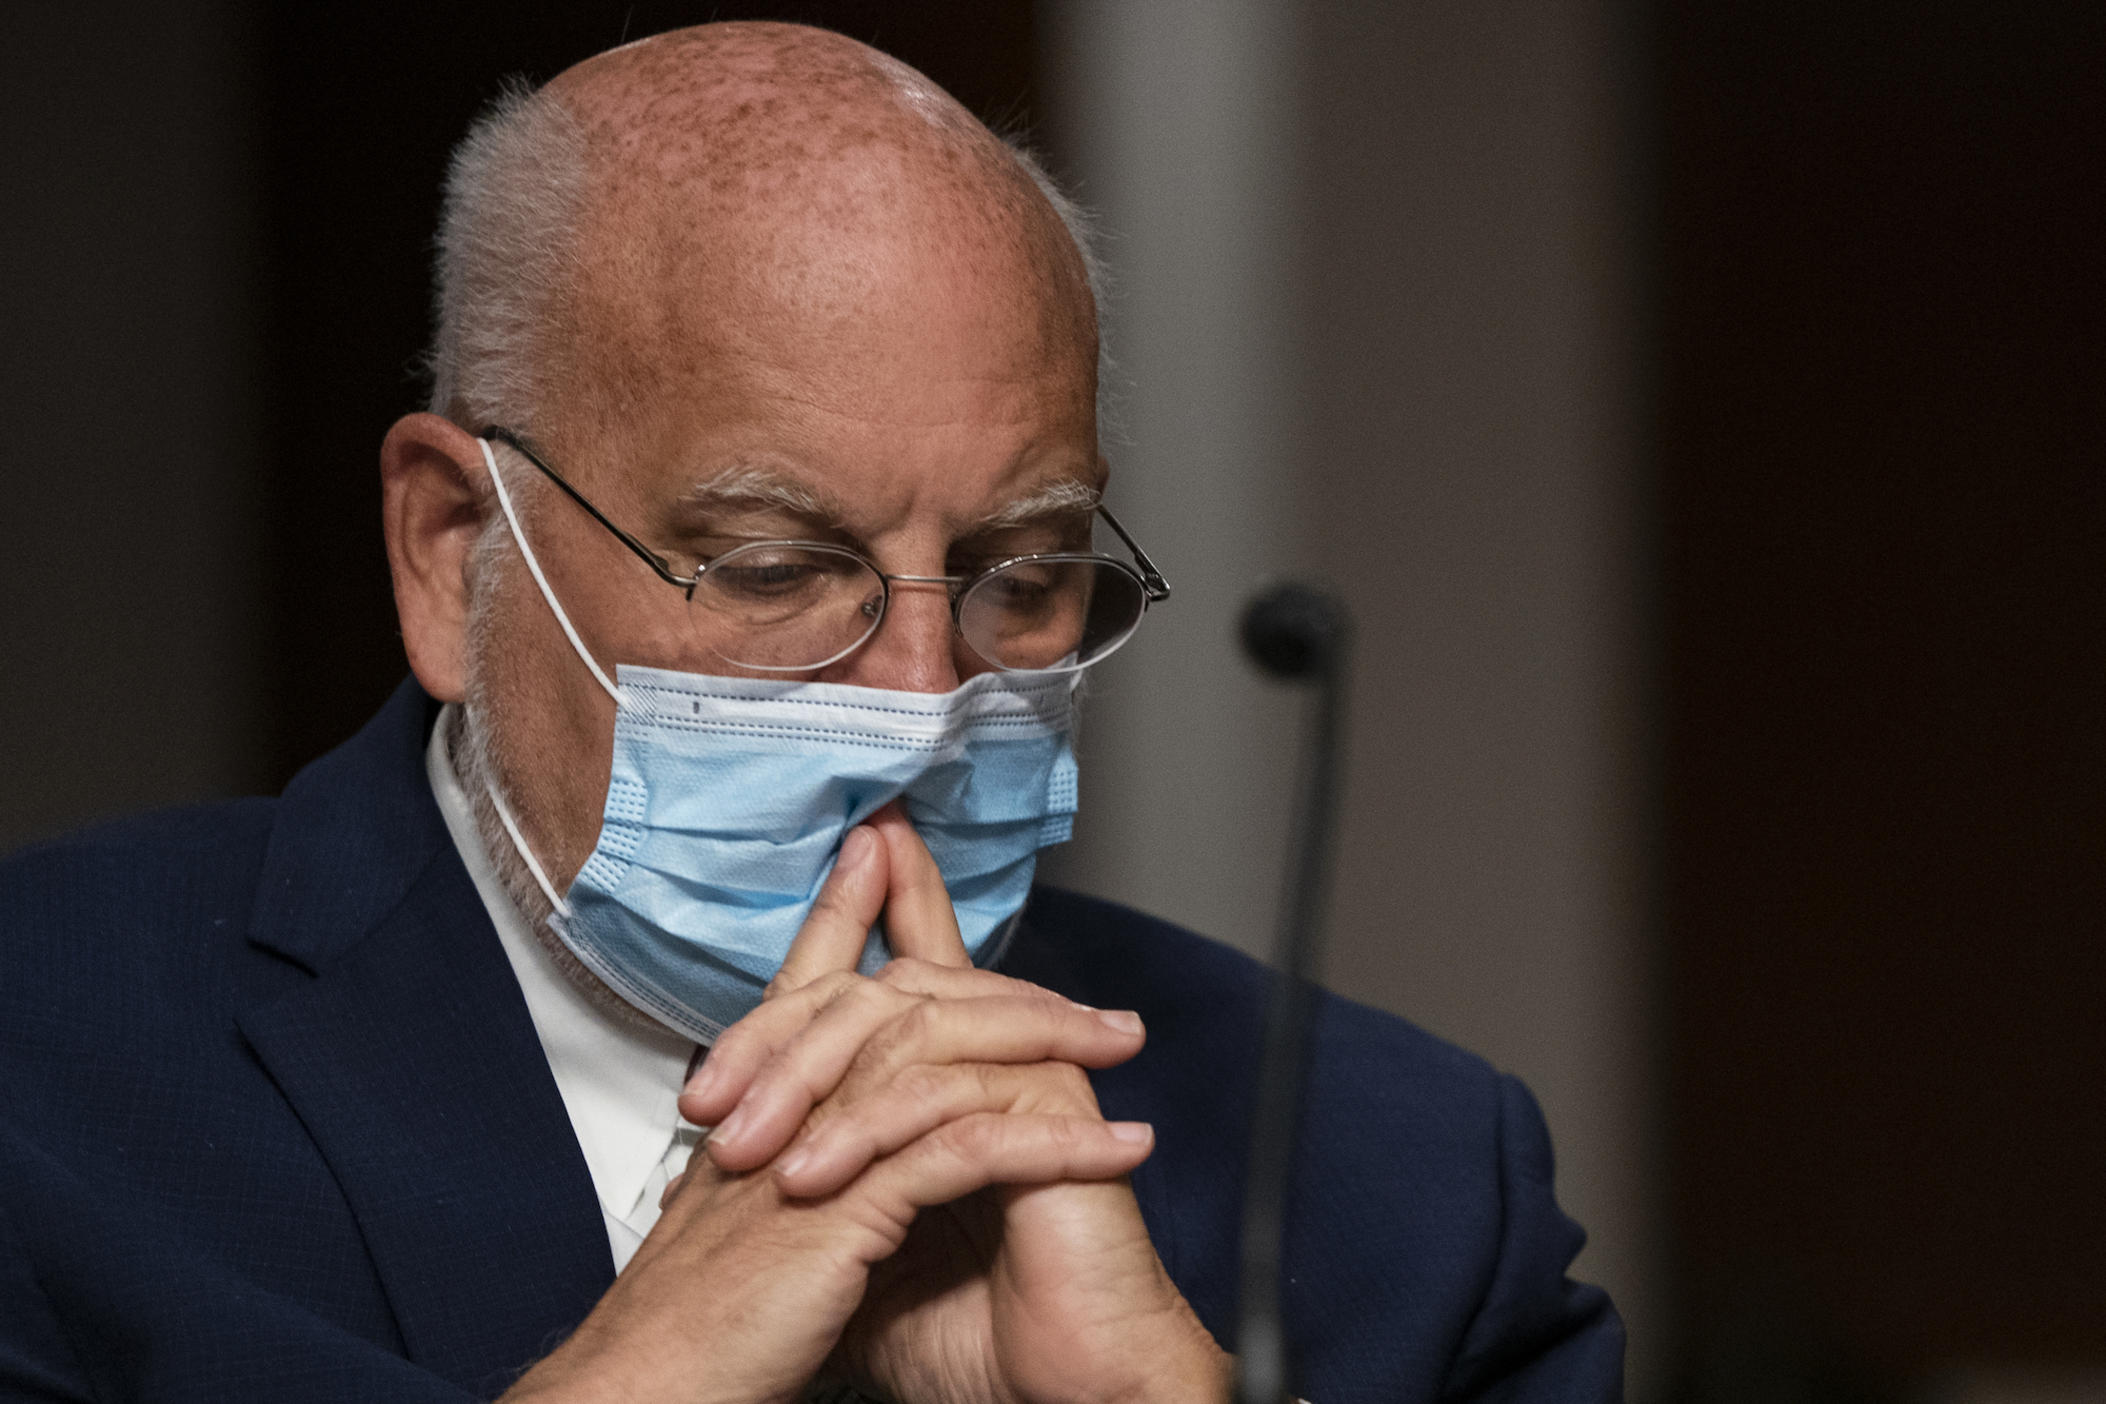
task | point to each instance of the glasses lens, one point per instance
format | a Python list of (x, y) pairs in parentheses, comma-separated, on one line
[(785, 608), (1052, 612)]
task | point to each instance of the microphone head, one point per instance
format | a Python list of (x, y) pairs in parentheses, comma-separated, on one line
[(1295, 631)]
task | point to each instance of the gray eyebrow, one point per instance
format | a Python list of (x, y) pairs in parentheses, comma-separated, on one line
[(1061, 497), (750, 485)]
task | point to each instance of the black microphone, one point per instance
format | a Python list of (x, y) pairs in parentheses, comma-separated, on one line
[(1302, 635)]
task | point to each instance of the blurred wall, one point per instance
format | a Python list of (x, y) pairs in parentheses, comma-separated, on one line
[(1375, 313)]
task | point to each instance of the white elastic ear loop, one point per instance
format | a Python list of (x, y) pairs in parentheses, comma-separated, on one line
[(519, 844), (504, 500)]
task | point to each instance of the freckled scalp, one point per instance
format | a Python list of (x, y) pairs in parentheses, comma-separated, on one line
[(749, 175)]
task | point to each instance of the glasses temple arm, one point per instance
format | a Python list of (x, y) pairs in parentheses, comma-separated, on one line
[(644, 553), (1157, 587)]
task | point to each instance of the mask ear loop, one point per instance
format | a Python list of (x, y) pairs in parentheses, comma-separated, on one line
[(504, 500), (519, 843), (497, 801)]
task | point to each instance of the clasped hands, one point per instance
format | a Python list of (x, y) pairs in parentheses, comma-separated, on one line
[(909, 1188)]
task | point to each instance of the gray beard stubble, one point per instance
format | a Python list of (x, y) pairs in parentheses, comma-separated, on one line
[(475, 745)]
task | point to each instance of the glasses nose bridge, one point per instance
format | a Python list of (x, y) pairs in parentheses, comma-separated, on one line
[(952, 588), (887, 623), (954, 582)]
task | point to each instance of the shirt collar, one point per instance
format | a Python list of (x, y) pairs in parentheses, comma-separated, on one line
[(621, 1082)]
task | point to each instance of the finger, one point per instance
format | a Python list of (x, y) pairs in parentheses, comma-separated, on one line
[(919, 918), (955, 982), (992, 1149), (916, 1103), (848, 906), (742, 1050), (881, 1032), (800, 1072)]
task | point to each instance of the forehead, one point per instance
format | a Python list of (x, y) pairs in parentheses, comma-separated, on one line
[(867, 441), (855, 317)]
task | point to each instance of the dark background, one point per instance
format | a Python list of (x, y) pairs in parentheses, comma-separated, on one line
[(1880, 508), (1882, 366)]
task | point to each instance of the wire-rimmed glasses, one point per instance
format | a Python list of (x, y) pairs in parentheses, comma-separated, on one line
[(797, 606)]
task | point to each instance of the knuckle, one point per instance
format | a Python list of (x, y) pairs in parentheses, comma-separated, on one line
[(821, 992), (730, 1045), (990, 1083), (906, 1031), (1024, 989), (918, 1025), (769, 1072), (832, 987), (869, 994), (1067, 1134), (1078, 1091), (975, 1138), (903, 970), (744, 1043), (923, 1087), (1060, 1088)]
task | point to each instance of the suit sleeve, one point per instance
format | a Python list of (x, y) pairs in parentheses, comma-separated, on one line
[(36, 1362), (1537, 1335), (99, 1299)]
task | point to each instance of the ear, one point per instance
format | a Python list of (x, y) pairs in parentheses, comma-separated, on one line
[(432, 496)]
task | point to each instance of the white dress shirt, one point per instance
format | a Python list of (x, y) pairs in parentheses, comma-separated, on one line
[(620, 1083)]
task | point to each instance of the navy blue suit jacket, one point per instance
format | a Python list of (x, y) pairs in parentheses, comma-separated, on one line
[(275, 1125)]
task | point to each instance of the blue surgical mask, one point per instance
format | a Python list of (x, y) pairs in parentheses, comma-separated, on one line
[(729, 799)]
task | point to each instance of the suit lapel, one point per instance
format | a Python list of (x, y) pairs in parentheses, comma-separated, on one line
[(412, 1061)]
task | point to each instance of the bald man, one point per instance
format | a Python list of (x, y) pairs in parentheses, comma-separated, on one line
[(746, 561)]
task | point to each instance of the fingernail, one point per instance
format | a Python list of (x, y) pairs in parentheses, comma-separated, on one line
[(794, 1160), (856, 848), (1124, 1020), (1134, 1133), (728, 1129)]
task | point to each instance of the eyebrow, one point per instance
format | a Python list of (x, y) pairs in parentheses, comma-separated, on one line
[(750, 486), (1061, 497)]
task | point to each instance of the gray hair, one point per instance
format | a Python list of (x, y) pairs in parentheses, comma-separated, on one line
[(507, 255)]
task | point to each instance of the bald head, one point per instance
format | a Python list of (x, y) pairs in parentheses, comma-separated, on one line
[(707, 200), (724, 103)]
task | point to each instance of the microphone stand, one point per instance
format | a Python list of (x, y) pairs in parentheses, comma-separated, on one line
[(1301, 635)]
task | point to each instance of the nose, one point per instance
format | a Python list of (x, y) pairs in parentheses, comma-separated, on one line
[(915, 648)]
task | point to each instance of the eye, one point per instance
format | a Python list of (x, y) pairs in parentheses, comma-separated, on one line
[(1026, 591), (1019, 586), (769, 582), (779, 574), (774, 578)]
